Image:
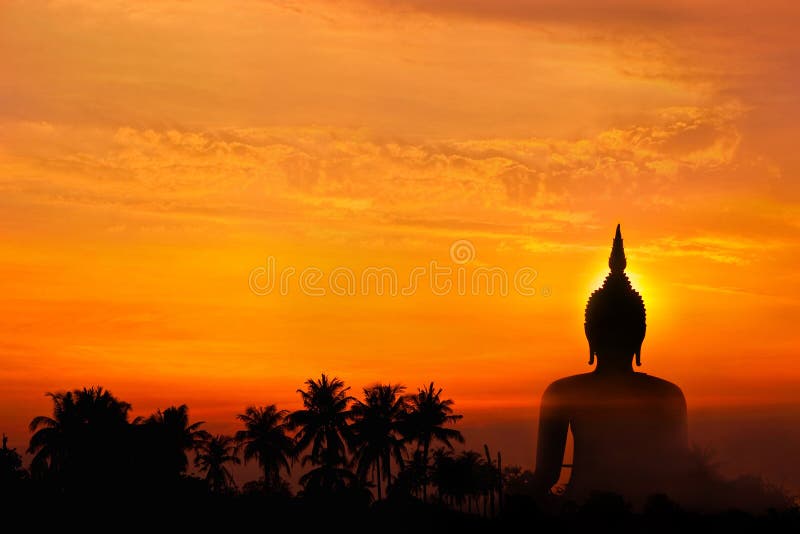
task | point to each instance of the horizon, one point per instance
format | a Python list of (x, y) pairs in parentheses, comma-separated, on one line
[(154, 157)]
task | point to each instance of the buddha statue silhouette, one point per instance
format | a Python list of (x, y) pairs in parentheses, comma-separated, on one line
[(629, 429)]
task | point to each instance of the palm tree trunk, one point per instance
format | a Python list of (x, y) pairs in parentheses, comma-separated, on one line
[(388, 465), (378, 470), (425, 448), (499, 481), (491, 486)]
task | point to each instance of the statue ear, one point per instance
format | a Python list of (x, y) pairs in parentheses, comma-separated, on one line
[(639, 356)]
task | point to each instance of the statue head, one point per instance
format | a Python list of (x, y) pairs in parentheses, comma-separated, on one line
[(615, 316)]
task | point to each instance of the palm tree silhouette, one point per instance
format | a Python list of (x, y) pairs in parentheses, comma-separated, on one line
[(461, 479), (171, 429), (11, 470), (446, 477), (377, 433), (323, 421), (83, 438), (265, 439), (411, 478), (426, 421), (471, 474), (327, 479), (49, 442), (212, 456)]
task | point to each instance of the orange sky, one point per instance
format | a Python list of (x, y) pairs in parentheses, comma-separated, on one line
[(152, 154)]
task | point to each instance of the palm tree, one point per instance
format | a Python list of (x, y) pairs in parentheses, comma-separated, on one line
[(84, 438), (327, 479), (11, 470), (323, 421), (411, 478), (426, 421), (471, 468), (51, 435), (446, 478), (212, 456), (265, 439), (461, 478), (171, 431), (377, 431)]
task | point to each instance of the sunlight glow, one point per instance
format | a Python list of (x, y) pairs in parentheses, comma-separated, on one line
[(152, 154)]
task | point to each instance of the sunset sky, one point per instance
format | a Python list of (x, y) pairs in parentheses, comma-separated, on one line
[(153, 154)]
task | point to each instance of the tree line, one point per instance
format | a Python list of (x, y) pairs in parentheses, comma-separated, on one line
[(386, 455), (386, 442)]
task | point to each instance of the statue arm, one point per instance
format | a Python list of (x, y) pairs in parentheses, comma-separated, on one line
[(682, 423), (553, 425)]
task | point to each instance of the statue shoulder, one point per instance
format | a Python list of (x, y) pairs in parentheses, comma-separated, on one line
[(665, 386), (566, 385)]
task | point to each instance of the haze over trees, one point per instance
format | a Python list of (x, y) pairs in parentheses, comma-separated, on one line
[(386, 452)]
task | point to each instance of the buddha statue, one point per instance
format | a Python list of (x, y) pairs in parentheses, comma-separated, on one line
[(629, 428)]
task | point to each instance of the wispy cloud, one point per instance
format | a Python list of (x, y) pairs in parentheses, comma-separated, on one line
[(254, 172)]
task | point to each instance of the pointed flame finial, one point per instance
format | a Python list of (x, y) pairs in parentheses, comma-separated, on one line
[(617, 261)]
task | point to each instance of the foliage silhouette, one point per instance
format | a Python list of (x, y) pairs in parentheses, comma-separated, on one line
[(377, 432), (323, 423), (168, 437), (84, 443), (213, 456), (410, 479), (12, 472), (90, 457), (425, 424), (265, 439), (465, 480)]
